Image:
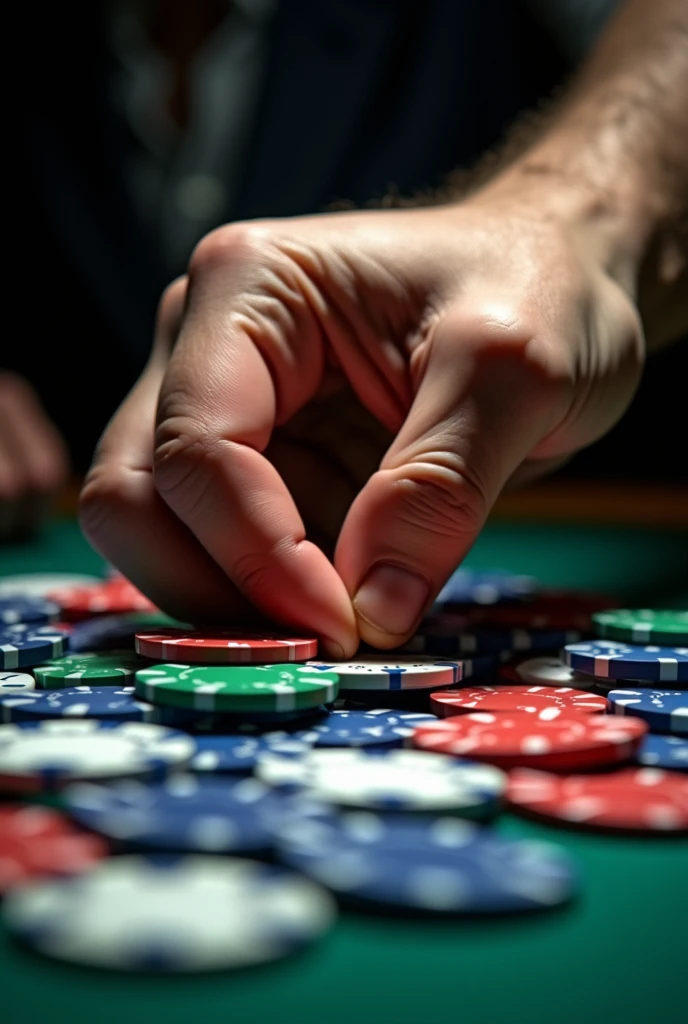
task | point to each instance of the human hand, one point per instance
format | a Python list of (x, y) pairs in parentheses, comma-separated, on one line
[(370, 380), (33, 457)]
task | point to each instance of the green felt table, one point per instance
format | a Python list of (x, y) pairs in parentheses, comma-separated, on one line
[(617, 954)]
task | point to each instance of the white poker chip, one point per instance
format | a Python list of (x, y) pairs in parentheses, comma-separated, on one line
[(47, 754), (16, 682), (169, 914), (401, 780), (401, 673), (38, 584)]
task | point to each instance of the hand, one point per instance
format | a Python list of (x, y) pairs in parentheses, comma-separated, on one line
[(370, 380), (33, 457)]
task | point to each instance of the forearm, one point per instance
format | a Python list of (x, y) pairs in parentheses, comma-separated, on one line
[(615, 155)]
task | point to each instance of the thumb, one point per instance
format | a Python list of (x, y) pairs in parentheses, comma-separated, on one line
[(488, 390)]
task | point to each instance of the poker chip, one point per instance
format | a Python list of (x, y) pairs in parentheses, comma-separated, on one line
[(114, 632), (23, 646), (15, 682), (40, 584), (237, 687), (482, 665), (184, 812), (102, 667), (170, 914), (634, 799), (491, 641), (224, 647), (104, 702), (237, 753), (663, 710), (606, 659), (75, 702), (664, 752), (395, 780), (47, 754), (107, 597), (380, 673), (545, 703), (548, 610), (35, 611), (548, 671), (36, 841), (520, 739), (468, 586), (439, 866), (377, 727), (643, 626)]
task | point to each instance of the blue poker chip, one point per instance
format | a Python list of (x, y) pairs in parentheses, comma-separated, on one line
[(457, 643), (608, 660), (377, 727), (483, 664), (469, 586), (24, 646), (105, 633), (663, 710), (237, 753), (183, 812), (664, 752), (438, 866), (27, 610), (107, 702)]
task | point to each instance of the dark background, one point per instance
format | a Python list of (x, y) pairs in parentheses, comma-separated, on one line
[(358, 95)]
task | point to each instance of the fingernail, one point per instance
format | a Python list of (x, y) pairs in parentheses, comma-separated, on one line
[(391, 598)]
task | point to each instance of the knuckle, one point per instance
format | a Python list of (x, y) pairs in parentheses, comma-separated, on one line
[(185, 461), (514, 348), (441, 501), (106, 495), (227, 245)]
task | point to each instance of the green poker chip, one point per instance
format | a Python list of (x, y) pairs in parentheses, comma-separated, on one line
[(282, 688), (643, 626), (103, 667)]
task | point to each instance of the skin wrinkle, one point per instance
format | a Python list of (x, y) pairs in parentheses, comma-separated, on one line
[(344, 274), (444, 518)]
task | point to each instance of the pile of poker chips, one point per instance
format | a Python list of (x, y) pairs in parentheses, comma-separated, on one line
[(174, 755)]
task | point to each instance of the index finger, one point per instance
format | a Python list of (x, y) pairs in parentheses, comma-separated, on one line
[(249, 354)]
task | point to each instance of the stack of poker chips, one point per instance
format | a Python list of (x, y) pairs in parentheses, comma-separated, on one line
[(248, 786)]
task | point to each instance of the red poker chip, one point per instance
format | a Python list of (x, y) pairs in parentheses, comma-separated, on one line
[(635, 799), (224, 647), (115, 596), (518, 739), (35, 841), (543, 702)]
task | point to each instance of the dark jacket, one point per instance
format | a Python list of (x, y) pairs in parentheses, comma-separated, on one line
[(359, 96)]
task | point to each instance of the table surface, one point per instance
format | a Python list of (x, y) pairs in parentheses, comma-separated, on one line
[(618, 954)]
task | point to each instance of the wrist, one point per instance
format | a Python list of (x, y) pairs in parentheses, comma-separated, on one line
[(615, 223)]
